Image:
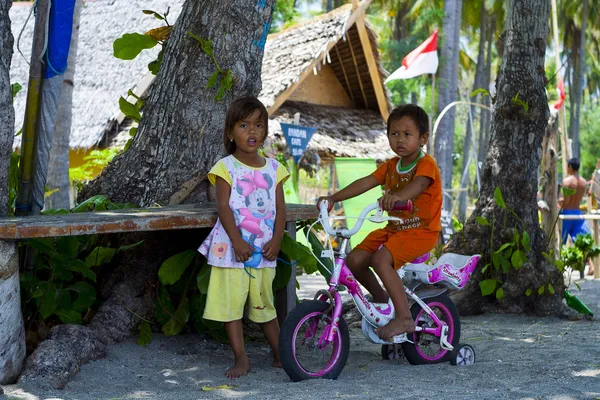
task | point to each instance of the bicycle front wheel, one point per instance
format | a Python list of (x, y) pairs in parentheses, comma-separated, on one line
[(303, 351)]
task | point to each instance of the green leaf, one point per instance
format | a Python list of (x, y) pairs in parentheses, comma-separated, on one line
[(550, 288), (212, 81), (15, 88), (182, 314), (130, 45), (163, 306), (48, 302), (44, 246), (516, 237), (541, 289), (86, 296), (517, 101), (528, 292), (526, 241), (487, 286), (90, 204), (518, 259), (499, 294), (145, 336), (63, 299), (67, 246), (480, 91), (55, 211), (498, 198), (203, 279), (69, 316), (482, 221), (127, 144), (485, 267), (497, 260), (504, 246), (576, 284), (220, 93), (298, 252), (130, 110), (154, 66), (100, 256), (205, 44), (78, 265), (228, 80), (171, 270), (283, 273), (505, 265), (317, 248), (129, 247)]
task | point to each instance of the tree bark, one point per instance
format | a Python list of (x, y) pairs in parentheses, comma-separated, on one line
[(478, 83), (12, 333), (549, 182), (181, 133), (444, 137), (579, 78), (58, 166), (512, 163), (485, 116)]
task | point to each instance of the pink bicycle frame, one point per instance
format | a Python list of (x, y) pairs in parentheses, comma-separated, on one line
[(342, 275)]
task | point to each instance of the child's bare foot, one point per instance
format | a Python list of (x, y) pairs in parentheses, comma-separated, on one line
[(240, 367), (396, 327), (276, 363)]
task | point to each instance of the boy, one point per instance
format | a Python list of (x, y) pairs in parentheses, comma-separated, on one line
[(412, 175)]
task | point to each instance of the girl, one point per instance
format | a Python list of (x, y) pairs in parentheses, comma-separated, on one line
[(248, 233)]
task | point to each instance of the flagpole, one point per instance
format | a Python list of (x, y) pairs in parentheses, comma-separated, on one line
[(431, 145)]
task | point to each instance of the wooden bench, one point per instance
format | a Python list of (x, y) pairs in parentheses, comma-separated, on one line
[(594, 218), (188, 216)]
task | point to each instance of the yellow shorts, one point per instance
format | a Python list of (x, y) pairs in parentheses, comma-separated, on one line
[(229, 288)]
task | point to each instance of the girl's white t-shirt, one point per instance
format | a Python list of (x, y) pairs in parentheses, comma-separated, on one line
[(253, 202)]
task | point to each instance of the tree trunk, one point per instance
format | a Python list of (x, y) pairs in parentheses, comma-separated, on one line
[(478, 83), (549, 182), (579, 78), (444, 137), (58, 167), (485, 116), (518, 127), (329, 5), (12, 333), (180, 136)]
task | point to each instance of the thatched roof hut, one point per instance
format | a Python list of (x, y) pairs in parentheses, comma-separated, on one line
[(318, 68)]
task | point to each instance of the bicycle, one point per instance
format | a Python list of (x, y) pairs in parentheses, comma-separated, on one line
[(318, 326)]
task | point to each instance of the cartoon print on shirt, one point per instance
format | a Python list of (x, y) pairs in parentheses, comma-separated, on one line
[(254, 186)]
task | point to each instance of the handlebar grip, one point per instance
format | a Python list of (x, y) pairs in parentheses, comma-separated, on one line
[(403, 206)]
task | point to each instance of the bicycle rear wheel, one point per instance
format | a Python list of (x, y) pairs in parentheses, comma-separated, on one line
[(426, 348), (303, 353)]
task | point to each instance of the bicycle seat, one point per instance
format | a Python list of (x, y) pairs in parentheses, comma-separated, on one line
[(421, 259)]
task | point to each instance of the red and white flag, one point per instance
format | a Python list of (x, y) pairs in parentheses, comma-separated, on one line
[(560, 88), (422, 60)]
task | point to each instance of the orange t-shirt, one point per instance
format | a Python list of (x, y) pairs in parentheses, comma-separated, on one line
[(427, 207)]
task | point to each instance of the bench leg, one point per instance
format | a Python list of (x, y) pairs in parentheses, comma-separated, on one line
[(286, 298), (12, 331)]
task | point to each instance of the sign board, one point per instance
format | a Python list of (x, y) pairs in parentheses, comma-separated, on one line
[(447, 226), (297, 138)]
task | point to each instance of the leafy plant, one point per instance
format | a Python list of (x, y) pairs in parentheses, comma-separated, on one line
[(583, 248), (183, 288), (223, 77), (510, 255)]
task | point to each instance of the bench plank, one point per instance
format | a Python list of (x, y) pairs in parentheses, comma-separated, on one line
[(186, 216)]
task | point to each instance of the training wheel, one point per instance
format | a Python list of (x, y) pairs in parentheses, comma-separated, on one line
[(391, 351), (463, 354)]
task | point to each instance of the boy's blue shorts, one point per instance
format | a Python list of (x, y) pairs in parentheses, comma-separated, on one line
[(573, 227)]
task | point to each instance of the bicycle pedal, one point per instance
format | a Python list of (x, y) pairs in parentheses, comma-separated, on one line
[(401, 338)]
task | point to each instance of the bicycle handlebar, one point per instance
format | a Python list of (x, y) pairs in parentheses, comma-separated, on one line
[(324, 216)]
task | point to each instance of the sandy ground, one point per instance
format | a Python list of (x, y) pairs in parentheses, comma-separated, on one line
[(518, 357)]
